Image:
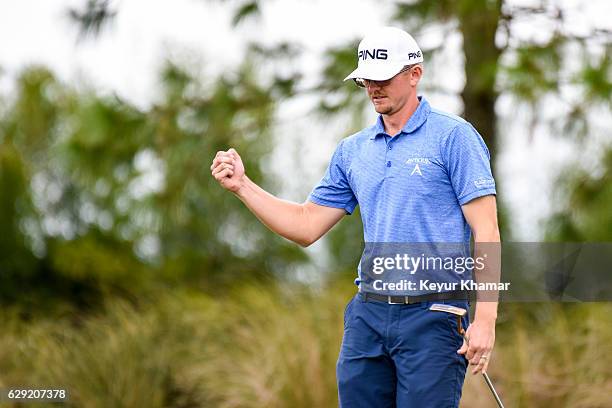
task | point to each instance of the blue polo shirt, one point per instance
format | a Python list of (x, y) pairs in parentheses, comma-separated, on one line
[(410, 187)]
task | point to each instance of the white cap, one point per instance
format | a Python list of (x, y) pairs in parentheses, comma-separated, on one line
[(384, 52)]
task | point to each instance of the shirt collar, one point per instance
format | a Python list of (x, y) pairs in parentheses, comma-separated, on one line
[(416, 120)]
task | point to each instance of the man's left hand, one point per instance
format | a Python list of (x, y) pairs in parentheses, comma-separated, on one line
[(481, 338)]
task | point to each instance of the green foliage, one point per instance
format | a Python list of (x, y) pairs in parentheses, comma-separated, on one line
[(123, 197), (596, 78), (16, 260), (93, 17), (339, 62), (125, 358), (426, 11), (551, 355), (586, 198), (283, 85), (535, 71), (346, 243), (277, 347), (248, 9)]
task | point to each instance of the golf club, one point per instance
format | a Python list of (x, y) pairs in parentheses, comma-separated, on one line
[(459, 313)]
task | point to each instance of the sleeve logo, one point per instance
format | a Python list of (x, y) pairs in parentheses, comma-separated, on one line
[(484, 182)]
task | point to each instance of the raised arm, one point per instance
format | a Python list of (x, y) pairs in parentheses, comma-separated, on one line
[(301, 223)]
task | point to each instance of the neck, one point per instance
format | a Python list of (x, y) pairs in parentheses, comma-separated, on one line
[(396, 121)]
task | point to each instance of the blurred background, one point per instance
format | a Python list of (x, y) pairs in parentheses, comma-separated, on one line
[(130, 278)]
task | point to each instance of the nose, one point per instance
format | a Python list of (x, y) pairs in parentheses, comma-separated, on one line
[(372, 84), (373, 88)]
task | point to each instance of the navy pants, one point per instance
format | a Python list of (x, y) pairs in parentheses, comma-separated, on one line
[(402, 356)]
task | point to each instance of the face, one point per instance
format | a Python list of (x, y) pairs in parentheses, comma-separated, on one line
[(390, 96)]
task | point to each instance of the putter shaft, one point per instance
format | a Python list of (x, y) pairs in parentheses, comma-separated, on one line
[(485, 375), (490, 384)]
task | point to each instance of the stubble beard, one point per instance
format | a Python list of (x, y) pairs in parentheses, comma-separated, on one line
[(383, 110)]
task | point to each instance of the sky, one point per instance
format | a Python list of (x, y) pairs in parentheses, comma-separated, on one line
[(128, 55)]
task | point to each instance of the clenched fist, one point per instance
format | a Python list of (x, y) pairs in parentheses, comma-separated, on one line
[(228, 170)]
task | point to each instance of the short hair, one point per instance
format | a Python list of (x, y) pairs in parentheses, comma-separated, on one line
[(407, 67)]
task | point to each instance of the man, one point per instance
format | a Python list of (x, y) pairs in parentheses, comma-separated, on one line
[(419, 175)]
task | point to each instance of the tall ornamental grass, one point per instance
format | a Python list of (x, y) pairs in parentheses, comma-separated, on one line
[(277, 347)]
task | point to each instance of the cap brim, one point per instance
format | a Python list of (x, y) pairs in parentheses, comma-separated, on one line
[(376, 72)]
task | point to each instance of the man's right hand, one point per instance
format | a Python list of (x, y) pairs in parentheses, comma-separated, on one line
[(301, 223), (227, 168)]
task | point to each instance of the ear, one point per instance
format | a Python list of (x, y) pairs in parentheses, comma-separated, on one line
[(415, 75)]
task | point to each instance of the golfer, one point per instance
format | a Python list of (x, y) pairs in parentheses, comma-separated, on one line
[(420, 176)]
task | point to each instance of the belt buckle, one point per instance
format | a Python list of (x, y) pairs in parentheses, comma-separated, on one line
[(411, 300), (389, 301)]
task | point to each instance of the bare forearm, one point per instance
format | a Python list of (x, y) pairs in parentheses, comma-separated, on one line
[(481, 214), (487, 245), (300, 223), (288, 219)]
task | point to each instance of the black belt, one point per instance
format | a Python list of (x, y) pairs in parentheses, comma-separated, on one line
[(408, 300)]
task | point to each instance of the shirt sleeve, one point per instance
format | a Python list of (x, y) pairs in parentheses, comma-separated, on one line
[(468, 164), (334, 190)]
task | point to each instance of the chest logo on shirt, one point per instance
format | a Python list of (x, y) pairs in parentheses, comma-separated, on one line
[(418, 162), (416, 170)]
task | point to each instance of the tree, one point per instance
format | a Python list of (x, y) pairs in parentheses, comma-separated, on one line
[(100, 197)]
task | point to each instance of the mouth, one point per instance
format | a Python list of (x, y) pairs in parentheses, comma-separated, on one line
[(377, 99)]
